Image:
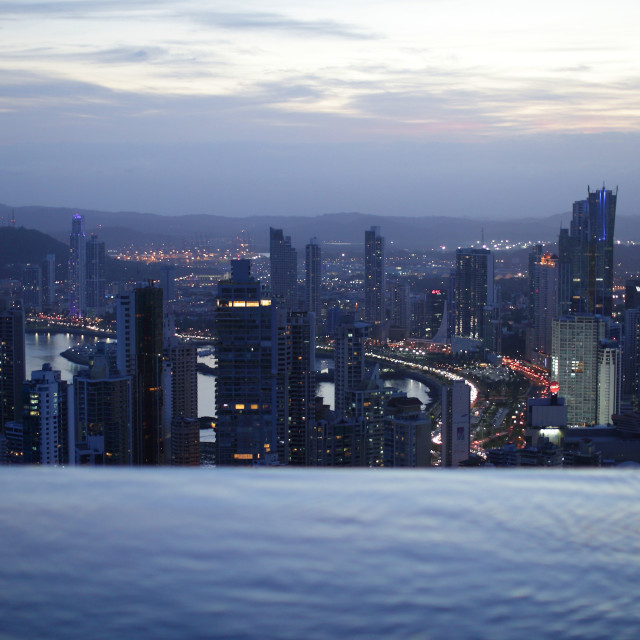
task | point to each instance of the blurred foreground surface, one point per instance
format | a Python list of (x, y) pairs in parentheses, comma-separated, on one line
[(285, 553)]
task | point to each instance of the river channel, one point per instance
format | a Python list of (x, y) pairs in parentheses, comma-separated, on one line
[(46, 347)]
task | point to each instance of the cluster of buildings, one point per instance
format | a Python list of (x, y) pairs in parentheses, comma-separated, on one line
[(136, 405)]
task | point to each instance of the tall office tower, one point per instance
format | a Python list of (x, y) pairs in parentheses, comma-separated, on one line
[(474, 290), (12, 359), (32, 287), (631, 352), (544, 277), (609, 381), (375, 285), (140, 355), (586, 255), (400, 310), (456, 409), (435, 310), (168, 282), (632, 294), (49, 282), (245, 392), (574, 364), (95, 281), (313, 277), (103, 413), (349, 360), (284, 270), (45, 420), (302, 385), (77, 267)]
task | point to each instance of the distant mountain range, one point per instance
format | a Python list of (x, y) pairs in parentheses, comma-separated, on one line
[(125, 228)]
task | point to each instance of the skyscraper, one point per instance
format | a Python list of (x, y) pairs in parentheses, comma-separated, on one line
[(349, 360), (302, 385), (45, 420), (586, 255), (103, 413), (456, 409), (473, 291), (245, 390), (77, 267), (12, 359), (49, 282), (140, 329), (95, 280), (544, 277), (375, 309), (575, 364), (313, 278), (284, 270), (32, 287)]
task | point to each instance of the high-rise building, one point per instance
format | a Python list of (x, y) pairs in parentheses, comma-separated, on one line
[(456, 410), (407, 433), (575, 364), (313, 278), (375, 286), (168, 282), (140, 327), (349, 360), (45, 420), (185, 442), (12, 362), (77, 267), (632, 294), (95, 281), (245, 391), (302, 385), (473, 291), (283, 259), (32, 287), (544, 304), (609, 381), (103, 413), (49, 282), (400, 298), (631, 352), (586, 255)]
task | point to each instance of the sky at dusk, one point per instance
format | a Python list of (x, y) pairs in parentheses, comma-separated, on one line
[(494, 109)]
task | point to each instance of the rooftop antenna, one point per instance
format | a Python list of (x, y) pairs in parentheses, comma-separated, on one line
[(482, 236)]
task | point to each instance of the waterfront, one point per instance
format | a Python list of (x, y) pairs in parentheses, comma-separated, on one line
[(46, 347)]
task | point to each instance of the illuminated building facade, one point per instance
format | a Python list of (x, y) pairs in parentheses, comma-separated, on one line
[(49, 282), (245, 386), (473, 291), (544, 278), (586, 255), (45, 420), (575, 364)]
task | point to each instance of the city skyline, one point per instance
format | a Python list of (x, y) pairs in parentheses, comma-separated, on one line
[(444, 109)]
